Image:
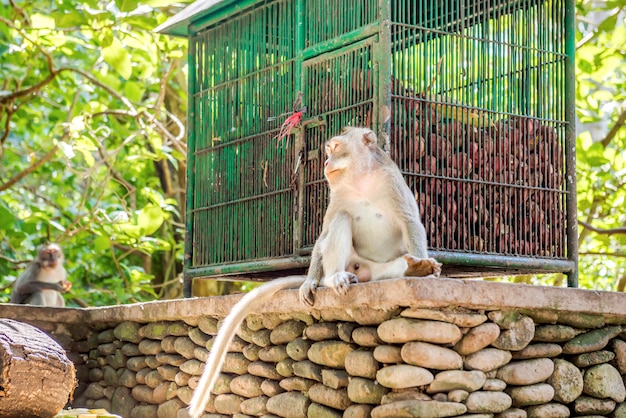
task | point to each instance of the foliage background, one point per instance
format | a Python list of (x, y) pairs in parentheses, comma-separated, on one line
[(92, 146)]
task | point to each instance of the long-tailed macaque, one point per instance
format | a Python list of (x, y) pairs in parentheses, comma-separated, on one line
[(43, 280), (371, 231)]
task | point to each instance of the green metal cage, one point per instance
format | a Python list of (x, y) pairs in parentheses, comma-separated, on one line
[(473, 99)]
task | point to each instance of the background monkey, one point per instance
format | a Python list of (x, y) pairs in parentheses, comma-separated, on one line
[(371, 231), (43, 280)]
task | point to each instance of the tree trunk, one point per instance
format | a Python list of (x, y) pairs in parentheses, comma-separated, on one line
[(36, 377)]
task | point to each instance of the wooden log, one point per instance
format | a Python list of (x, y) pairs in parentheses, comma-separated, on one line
[(36, 377)]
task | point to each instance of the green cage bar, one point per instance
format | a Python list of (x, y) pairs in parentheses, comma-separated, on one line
[(473, 99)]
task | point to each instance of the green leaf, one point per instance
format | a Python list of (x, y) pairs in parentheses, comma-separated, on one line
[(69, 18), (160, 3), (7, 219), (102, 243), (150, 219), (118, 57), (39, 21), (126, 5), (133, 91)]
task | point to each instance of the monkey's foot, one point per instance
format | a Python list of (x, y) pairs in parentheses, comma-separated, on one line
[(306, 294), (341, 281), (420, 267)]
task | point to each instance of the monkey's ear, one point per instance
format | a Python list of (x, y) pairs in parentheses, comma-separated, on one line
[(369, 138)]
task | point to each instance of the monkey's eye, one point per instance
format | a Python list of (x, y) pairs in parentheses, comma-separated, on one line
[(332, 146)]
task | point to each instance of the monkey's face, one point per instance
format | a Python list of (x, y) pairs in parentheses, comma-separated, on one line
[(337, 158), (348, 152), (50, 255)]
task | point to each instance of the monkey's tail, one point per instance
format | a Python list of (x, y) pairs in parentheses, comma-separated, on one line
[(227, 331)]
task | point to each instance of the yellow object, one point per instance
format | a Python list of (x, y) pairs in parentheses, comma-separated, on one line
[(462, 114), (85, 413)]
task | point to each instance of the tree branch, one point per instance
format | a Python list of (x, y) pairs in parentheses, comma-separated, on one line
[(621, 121), (33, 167), (611, 231)]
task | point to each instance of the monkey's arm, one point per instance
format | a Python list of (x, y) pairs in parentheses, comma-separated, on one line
[(246, 304), (331, 256), (32, 287), (413, 231)]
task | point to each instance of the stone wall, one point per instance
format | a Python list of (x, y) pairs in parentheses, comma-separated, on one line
[(398, 348)]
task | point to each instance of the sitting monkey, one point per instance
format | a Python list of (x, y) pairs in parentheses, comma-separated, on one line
[(371, 231), (43, 280)]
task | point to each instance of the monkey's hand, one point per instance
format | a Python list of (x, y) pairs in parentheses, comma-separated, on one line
[(66, 285), (307, 290), (340, 281), (421, 267)]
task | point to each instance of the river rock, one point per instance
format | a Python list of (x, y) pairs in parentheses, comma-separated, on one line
[(388, 354), (361, 363), (417, 408), (403, 376), (228, 403), (554, 333), (273, 354), (487, 359), (538, 351), (298, 349), (365, 391), (208, 325), (345, 330), (567, 381), (448, 380), (431, 356), (593, 358), (128, 331), (251, 352), (457, 395), (494, 385), (320, 411), (255, 406), (321, 331), (581, 320), (400, 330), (288, 404), (586, 405), (262, 337), (335, 379), (308, 370), (285, 367), (271, 387), (262, 369), (604, 381), (549, 410), (477, 338), (405, 395), (488, 402), (518, 336), (366, 337), (235, 363), (457, 317), (526, 372), (287, 332), (247, 385), (537, 394), (330, 353), (298, 384), (591, 341), (334, 398), (619, 347), (358, 411), (512, 413)]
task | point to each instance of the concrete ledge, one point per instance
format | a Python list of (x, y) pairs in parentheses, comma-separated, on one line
[(383, 295)]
